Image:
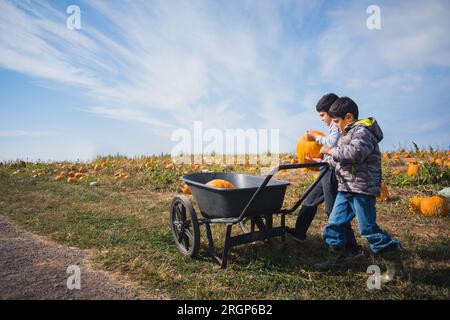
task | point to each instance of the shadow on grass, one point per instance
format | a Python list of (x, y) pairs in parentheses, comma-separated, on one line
[(436, 251), (438, 277), (276, 256), (436, 267)]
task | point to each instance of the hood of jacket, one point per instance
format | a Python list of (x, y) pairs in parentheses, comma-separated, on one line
[(371, 124)]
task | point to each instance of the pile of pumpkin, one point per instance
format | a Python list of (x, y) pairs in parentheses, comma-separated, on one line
[(73, 176), (441, 159)]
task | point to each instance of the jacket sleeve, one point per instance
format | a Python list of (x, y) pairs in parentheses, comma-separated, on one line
[(331, 162), (331, 140), (360, 146)]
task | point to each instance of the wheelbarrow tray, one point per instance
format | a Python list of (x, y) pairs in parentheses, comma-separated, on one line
[(229, 203)]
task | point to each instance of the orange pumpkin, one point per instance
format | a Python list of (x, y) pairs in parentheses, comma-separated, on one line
[(439, 161), (72, 180), (413, 169), (59, 178), (186, 189), (71, 174), (308, 148), (406, 154), (78, 175), (434, 207), (120, 176), (414, 204), (220, 183)]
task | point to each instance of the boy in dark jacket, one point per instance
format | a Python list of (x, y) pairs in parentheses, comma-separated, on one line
[(357, 163)]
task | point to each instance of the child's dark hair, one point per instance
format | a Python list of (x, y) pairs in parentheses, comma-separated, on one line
[(342, 106), (325, 102)]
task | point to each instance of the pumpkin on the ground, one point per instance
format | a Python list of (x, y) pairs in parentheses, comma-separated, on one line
[(121, 176), (72, 180), (413, 169), (414, 204), (185, 189), (435, 206), (220, 183)]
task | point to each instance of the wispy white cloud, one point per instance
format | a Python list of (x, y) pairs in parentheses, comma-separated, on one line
[(175, 57), (124, 114), (413, 37), (23, 133)]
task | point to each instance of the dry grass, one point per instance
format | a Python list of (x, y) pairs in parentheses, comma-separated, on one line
[(124, 224)]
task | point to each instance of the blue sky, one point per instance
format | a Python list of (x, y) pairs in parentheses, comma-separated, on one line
[(138, 70)]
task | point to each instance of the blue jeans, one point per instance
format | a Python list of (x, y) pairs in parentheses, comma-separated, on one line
[(346, 207), (325, 191)]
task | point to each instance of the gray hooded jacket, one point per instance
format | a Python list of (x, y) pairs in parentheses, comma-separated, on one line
[(357, 158)]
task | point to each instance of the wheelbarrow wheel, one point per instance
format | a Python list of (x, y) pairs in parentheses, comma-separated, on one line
[(184, 225)]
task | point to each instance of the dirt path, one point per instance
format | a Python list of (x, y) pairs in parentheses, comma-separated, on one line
[(34, 268)]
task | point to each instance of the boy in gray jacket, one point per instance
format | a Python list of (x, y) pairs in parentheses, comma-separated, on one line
[(326, 190), (357, 162)]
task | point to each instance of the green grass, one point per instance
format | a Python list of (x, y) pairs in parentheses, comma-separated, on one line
[(125, 226)]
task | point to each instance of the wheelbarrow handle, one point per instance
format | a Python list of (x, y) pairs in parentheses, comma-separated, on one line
[(273, 172), (297, 166)]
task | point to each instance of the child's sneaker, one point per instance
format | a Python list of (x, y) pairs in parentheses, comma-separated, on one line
[(335, 259), (297, 236), (353, 254)]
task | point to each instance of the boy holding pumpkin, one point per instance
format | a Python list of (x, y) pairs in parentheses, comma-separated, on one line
[(357, 163), (326, 190)]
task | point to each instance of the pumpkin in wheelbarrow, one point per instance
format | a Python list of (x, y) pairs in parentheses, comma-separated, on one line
[(220, 183), (306, 148)]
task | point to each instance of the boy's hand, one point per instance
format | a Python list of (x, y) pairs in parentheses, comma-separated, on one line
[(309, 136), (313, 159), (325, 150)]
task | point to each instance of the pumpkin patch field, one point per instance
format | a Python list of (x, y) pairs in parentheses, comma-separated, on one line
[(117, 209)]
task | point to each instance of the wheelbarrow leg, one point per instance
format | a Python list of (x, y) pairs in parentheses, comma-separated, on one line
[(269, 221), (253, 223), (264, 226), (226, 246), (283, 228), (211, 248)]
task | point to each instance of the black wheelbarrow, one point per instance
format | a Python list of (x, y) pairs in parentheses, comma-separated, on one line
[(251, 205)]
